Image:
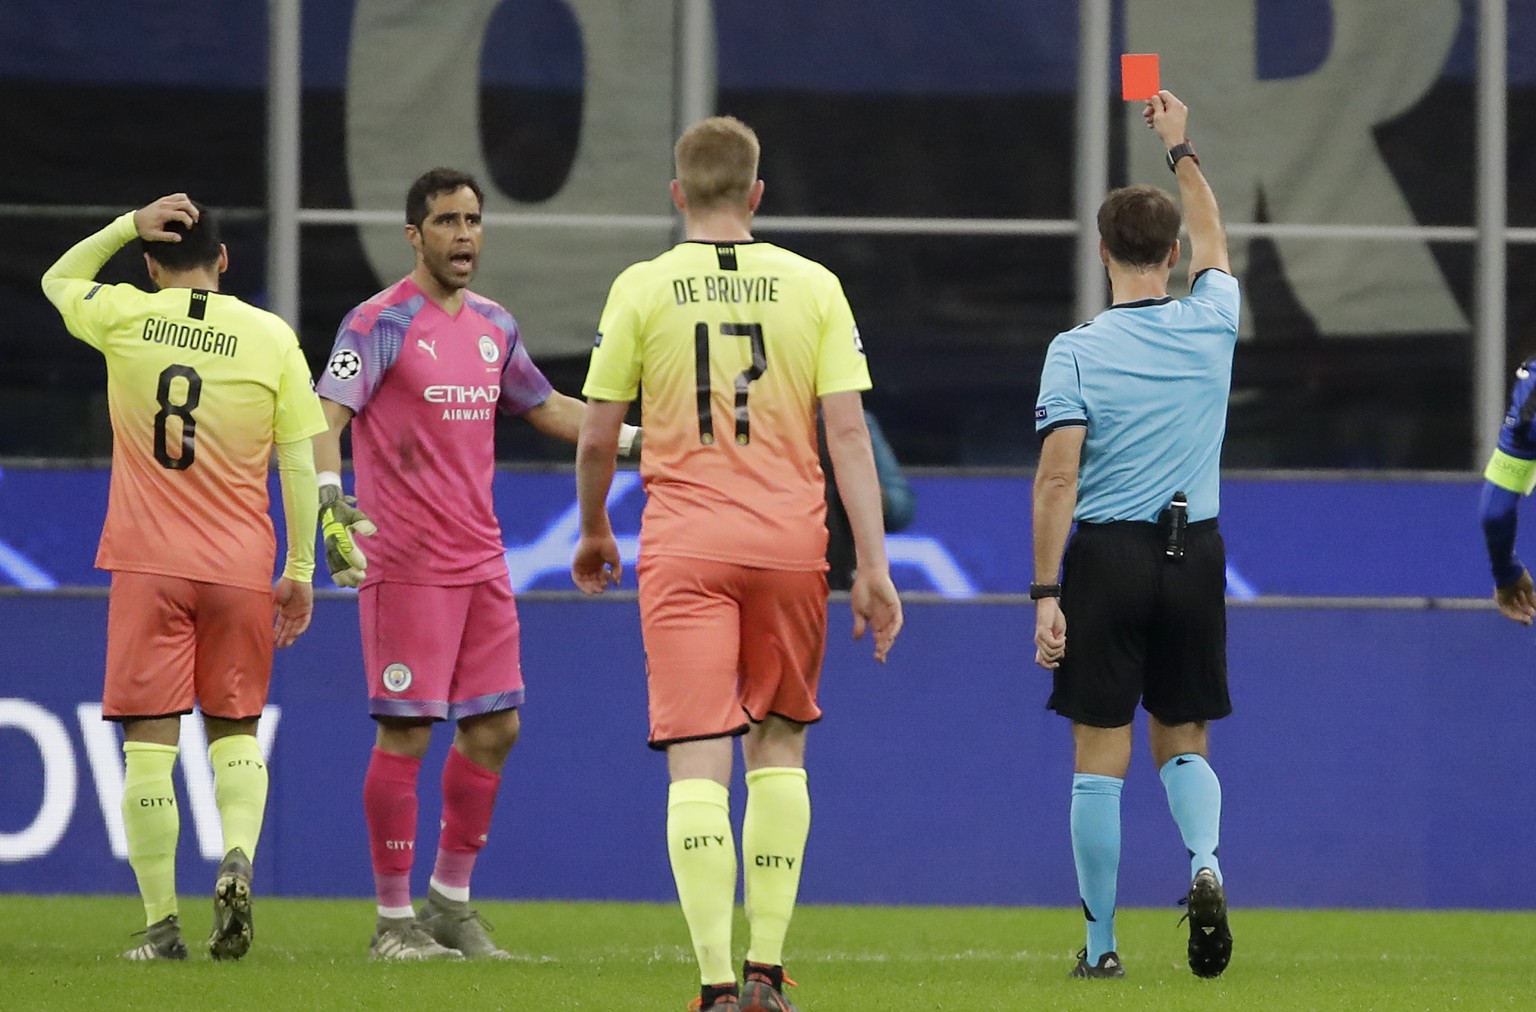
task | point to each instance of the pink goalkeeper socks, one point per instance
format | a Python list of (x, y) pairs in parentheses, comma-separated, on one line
[(389, 804), (469, 797)]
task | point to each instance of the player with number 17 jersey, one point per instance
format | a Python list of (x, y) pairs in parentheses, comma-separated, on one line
[(733, 347), (425, 387), (738, 341)]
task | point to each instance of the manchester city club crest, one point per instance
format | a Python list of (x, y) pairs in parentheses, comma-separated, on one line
[(488, 349), (397, 678)]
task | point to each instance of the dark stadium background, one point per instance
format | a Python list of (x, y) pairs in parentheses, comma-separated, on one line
[(963, 109)]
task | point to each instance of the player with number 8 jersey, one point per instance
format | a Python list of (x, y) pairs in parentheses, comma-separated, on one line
[(200, 387)]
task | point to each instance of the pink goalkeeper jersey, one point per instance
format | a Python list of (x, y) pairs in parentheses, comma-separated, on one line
[(424, 387)]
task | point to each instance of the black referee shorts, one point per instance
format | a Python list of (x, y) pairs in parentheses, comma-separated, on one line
[(1142, 627)]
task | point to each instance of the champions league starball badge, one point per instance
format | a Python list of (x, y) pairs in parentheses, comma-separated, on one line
[(345, 364)]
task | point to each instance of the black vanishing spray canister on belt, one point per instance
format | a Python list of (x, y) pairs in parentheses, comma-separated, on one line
[(1174, 521)]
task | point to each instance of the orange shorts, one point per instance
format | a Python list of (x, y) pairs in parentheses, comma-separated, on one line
[(170, 641), (725, 644)]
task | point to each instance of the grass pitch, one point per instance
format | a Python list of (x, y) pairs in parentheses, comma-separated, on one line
[(60, 953)]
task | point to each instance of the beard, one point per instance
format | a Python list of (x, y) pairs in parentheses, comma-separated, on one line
[(447, 274)]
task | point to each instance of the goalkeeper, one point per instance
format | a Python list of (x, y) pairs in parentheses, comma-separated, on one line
[(419, 372), (200, 387)]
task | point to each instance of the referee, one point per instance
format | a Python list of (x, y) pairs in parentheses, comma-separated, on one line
[(1132, 412)]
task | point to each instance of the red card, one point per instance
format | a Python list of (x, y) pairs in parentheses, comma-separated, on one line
[(1138, 76)]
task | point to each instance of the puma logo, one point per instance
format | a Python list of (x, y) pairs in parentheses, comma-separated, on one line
[(430, 348)]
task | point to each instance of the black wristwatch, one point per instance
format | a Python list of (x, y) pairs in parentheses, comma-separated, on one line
[(1183, 149), (1039, 590)]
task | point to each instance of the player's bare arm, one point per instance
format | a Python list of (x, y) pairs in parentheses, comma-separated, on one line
[(595, 566), (559, 416), (1055, 499), (875, 602), (1207, 237), (328, 443)]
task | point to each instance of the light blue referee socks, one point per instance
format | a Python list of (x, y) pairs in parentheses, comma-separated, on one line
[(1194, 798), (1096, 852)]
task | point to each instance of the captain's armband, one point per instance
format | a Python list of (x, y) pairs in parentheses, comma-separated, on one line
[(1511, 473)]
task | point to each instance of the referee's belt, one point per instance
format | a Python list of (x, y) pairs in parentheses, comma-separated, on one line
[(1143, 526)]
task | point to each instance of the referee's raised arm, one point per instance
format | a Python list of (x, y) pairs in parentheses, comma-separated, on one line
[(1207, 237)]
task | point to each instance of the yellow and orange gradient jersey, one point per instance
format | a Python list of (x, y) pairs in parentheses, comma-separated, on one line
[(729, 346), (199, 386)]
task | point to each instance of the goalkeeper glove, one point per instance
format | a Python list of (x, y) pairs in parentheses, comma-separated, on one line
[(340, 523)]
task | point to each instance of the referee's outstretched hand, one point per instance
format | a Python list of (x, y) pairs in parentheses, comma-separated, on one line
[(876, 606), (1517, 601), (1050, 633)]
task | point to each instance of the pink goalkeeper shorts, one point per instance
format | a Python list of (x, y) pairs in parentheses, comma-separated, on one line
[(441, 652)]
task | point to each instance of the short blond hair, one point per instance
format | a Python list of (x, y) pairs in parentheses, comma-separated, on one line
[(716, 163)]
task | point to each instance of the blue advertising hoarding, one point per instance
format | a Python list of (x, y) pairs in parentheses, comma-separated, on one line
[(937, 778), (971, 535)]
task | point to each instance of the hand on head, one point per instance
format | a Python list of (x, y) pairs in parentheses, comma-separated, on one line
[(151, 219)]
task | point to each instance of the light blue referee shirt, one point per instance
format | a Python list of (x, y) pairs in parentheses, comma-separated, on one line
[(1150, 381)]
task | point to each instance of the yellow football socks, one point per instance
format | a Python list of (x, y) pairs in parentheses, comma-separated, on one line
[(703, 852), (772, 851), (151, 821), (240, 789)]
